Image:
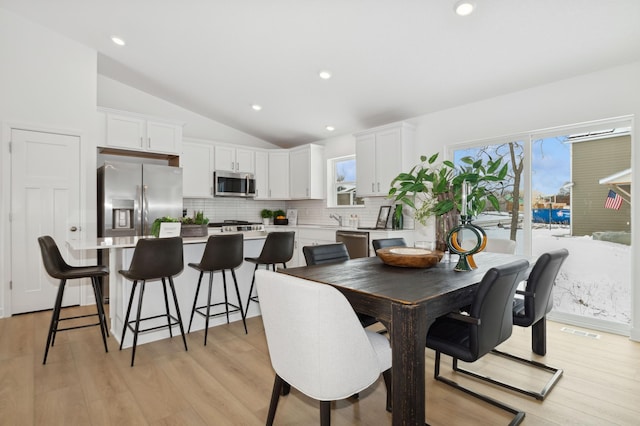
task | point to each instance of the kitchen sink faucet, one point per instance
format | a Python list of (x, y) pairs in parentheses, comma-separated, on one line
[(336, 217)]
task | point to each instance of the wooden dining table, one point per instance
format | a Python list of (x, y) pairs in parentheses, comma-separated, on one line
[(406, 301)]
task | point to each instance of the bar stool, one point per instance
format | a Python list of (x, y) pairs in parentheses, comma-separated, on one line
[(56, 267), (153, 259), (277, 248), (222, 253)]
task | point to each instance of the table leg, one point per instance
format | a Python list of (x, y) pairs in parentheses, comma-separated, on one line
[(409, 325)]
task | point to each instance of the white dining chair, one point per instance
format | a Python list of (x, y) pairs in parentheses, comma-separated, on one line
[(316, 342)]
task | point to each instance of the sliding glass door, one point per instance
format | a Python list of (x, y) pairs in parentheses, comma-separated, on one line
[(570, 188)]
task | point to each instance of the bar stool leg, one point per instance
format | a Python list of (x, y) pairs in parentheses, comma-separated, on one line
[(195, 301), (235, 282), (99, 296), (175, 300), (54, 319), (100, 308), (226, 299), (137, 327), (206, 318), (126, 318), (253, 280), (166, 306)]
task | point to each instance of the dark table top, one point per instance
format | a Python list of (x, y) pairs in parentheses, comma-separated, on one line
[(371, 280)]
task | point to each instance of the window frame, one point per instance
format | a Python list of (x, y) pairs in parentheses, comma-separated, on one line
[(332, 184)]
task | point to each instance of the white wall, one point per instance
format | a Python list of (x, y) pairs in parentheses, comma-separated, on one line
[(606, 94), (601, 95), (113, 94), (47, 82)]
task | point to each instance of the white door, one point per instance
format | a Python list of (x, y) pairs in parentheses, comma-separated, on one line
[(45, 173)]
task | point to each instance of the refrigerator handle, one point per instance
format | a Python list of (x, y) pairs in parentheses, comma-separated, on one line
[(138, 212), (145, 212)]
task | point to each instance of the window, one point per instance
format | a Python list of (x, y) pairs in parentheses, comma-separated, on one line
[(342, 182), (556, 198)]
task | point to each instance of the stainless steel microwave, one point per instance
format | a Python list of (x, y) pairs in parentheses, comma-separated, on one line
[(230, 184)]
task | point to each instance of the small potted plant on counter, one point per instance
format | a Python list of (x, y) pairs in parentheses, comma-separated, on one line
[(155, 226), (280, 218), (266, 215), (195, 226)]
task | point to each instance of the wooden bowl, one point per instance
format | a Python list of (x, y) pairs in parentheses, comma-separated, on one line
[(409, 257)]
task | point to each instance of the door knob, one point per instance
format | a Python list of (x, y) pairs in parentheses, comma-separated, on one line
[(73, 229)]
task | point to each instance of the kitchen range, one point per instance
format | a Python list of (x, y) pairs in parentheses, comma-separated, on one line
[(235, 226)]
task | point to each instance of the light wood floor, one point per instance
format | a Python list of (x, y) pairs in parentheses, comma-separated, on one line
[(229, 381)]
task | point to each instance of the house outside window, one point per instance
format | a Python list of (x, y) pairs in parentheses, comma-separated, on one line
[(342, 183)]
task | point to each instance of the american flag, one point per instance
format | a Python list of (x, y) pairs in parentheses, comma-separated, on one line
[(614, 201)]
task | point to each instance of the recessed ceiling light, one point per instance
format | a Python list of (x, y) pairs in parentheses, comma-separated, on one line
[(256, 107), (118, 41), (330, 128), (464, 8), (325, 75)]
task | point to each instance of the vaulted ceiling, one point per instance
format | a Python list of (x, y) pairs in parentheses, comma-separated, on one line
[(389, 60)]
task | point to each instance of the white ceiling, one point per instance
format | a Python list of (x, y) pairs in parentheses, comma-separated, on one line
[(390, 59)]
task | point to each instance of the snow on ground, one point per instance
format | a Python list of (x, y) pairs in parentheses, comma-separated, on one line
[(595, 280)]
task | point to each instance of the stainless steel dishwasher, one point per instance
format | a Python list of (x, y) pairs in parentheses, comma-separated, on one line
[(357, 242)]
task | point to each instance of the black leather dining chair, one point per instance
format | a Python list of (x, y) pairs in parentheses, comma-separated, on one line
[(531, 310), (56, 267), (154, 259), (329, 253), (488, 324), (388, 242), (277, 249)]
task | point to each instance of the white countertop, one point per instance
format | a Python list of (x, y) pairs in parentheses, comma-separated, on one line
[(127, 242), (336, 228)]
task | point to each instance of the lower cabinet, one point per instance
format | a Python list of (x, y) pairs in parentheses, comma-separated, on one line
[(305, 236)]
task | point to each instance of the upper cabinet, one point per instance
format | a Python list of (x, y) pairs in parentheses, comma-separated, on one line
[(197, 169), (381, 154), (307, 172), (135, 132), (278, 180), (262, 175), (234, 159)]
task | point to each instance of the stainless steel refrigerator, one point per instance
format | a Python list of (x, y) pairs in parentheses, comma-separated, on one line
[(132, 196)]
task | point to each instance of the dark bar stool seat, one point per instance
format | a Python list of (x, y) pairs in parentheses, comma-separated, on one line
[(56, 267), (277, 249), (222, 253), (154, 259)]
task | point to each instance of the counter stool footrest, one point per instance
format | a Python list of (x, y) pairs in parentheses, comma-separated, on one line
[(174, 322), (76, 326), (217, 314)]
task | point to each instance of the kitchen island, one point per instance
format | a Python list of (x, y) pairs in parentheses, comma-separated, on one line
[(119, 251)]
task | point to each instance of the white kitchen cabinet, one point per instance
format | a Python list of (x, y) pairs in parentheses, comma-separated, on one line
[(381, 154), (278, 175), (164, 137), (306, 235), (140, 133), (307, 172), (312, 237), (197, 169), (234, 159), (262, 175)]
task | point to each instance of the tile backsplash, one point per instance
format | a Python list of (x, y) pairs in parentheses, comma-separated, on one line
[(310, 212)]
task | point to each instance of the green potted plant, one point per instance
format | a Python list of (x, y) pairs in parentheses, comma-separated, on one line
[(155, 226), (195, 226), (436, 190), (280, 218), (266, 216)]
